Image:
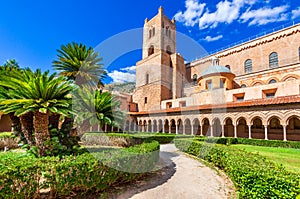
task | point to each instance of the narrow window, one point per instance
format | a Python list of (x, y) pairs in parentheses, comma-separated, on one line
[(273, 60), (222, 82), (228, 66), (150, 33), (153, 31), (146, 100), (195, 79), (147, 78), (248, 66), (208, 85), (151, 50)]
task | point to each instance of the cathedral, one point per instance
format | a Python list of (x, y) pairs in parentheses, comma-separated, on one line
[(250, 90)]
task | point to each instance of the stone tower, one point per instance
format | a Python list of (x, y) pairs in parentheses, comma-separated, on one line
[(161, 72)]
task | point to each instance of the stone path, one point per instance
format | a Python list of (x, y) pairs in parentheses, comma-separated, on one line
[(178, 177)]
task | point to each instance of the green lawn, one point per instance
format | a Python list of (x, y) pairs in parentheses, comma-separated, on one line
[(288, 157)]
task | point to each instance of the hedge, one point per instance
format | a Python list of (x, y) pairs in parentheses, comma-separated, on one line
[(26, 177), (253, 175)]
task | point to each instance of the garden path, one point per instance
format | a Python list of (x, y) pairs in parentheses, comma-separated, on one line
[(179, 177)]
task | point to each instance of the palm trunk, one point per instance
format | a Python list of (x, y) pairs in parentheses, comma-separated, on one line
[(41, 124), (16, 125), (53, 124), (27, 127)]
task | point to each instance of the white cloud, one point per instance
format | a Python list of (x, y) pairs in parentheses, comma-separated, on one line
[(296, 13), (193, 11), (209, 38), (228, 11), (265, 15), (126, 74)]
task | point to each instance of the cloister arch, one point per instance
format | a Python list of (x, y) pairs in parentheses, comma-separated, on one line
[(166, 126), (293, 128), (149, 126), (187, 127), (257, 128), (205, 127), (228, 127), (196, 127), (180, 126), (154, 126), (216, 127), (275, 129), (172, 126), (242, 128), (160, 126)]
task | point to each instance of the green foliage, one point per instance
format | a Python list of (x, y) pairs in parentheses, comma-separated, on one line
[(8, 139), (253, 175), (24, 176), (7, 135)]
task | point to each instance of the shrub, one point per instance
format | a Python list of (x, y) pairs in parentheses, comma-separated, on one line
[(269, 143), (9, 140), (25, 176), (253, 175)]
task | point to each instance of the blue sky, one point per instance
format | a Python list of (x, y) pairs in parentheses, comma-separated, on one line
[(31, 30)]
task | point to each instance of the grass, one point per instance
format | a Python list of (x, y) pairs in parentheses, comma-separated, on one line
[(287, 157)]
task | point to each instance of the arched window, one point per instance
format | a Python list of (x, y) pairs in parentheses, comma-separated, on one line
[(169, 51), (248, 66), (150, 33), (195, 79), (147, 78), (272, 81), (243, 86), (273, 60), (151, 50), (153, 31), (228, 66)]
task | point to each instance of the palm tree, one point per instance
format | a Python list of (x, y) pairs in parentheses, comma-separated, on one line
[(95, 106), (10, 66), (80, 63), (40, 94)]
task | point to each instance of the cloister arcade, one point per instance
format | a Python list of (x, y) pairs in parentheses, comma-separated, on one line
[(258, 125)]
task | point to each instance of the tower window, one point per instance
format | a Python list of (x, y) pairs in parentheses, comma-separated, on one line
[(222, 82), (147, 78), (195, 79), (248, 66), (169, 51), (153, 31), (150, 33), (273, 60), (146, 100), (151, 50)]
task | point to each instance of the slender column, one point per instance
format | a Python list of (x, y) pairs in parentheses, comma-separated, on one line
[(223, 132), (98, 127), (118, 128), (176, 128), (148, 127), (211, 130), (163, 127), (201, 132), (266, 132), (170, 129), (91, 128), (183, 128), (112, 128), (192, 129), (284, 132), (249, 131), (152, 128), (235, 131)]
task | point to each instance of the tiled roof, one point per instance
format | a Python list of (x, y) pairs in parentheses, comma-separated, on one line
[(248, 103)]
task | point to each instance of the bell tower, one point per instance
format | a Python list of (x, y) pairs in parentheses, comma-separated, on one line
[(160, 73)]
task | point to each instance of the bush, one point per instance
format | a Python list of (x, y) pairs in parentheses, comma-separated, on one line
[(9, 140), (253, 175), (25, 176), (269, 143)]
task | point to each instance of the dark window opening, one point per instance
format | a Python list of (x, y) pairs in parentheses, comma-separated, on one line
[(272, 81), (151, 50), (147, 78), (270, 95), (222, 82), (273, 60), (243, 86), (153, 31), (146, 100), (208, 85), (248, 66), (169, 51), (228, 66), (195, 79)]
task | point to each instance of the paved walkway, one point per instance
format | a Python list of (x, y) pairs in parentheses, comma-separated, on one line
[(178, 177)]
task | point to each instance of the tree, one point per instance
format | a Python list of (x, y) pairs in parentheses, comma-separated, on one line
[(96, 107), (40, 94), (11, 66), (80, 63)]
